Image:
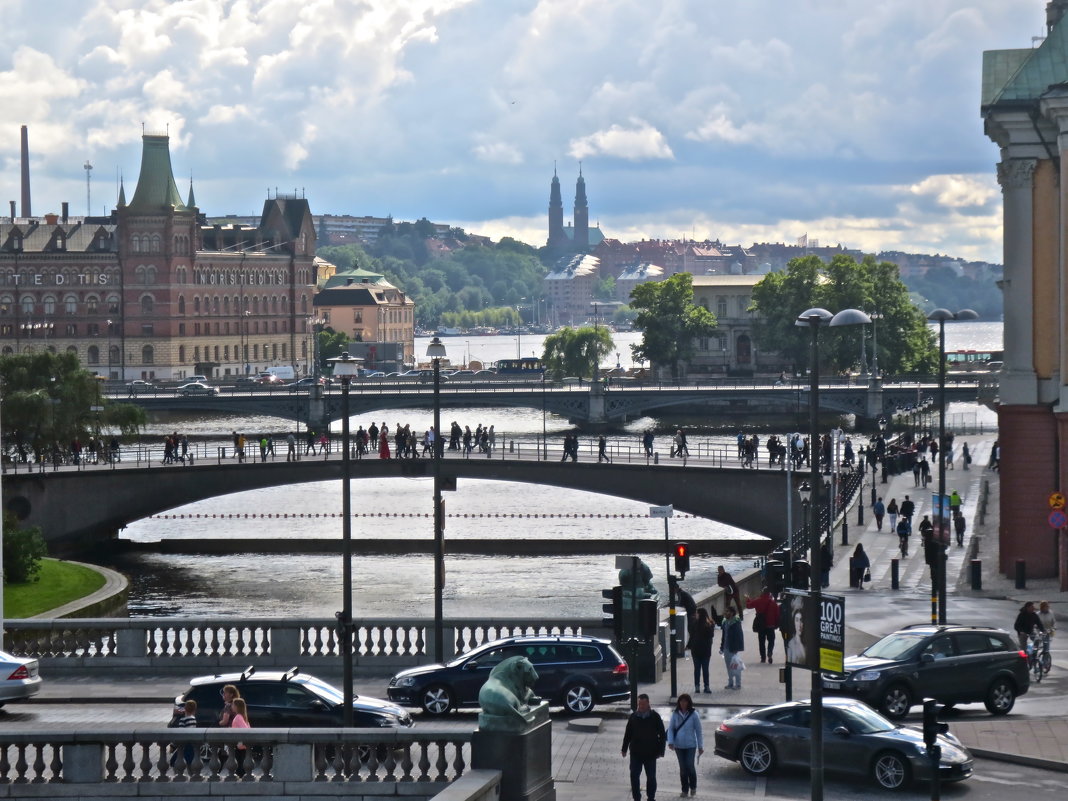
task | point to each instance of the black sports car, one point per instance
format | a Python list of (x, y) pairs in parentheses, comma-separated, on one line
[(857, 740)]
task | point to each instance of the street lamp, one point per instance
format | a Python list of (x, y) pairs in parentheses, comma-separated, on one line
[(110, 324), (814, 318), (941, 315), (436, 352), (345, 367), (875, 345), (244, 342)]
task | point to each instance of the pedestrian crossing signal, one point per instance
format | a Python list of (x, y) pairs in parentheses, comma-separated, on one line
[(682, 558)]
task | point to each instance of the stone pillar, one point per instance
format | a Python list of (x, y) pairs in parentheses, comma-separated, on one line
[(293, 762), (83, 763), (285, 643), (132, 643), (1018, 375), (523, 758)]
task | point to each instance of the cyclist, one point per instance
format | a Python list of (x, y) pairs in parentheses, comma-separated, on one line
[(1026, 620), (1049, 620), (903, 531)]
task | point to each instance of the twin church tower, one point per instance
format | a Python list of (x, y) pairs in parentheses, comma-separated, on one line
[(569, 239)]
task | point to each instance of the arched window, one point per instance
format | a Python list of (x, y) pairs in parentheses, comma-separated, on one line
[(70, 304), (155, 243), (226, 304), (72, 350), (148, 306), (226, 353), (49, 304), (7, 351), (113, 304), (283, 350), (150, 275), (113, 354), (304, 350), (135, 244), (196, 353), (181, 354), (274, 305), (147, 355), (181, 304), (91, 304), (196, 305), (92, 355), (255, 305), (303, 304), (27, 304)]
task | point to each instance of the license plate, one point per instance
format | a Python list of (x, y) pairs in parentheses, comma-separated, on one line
[(832, 685)]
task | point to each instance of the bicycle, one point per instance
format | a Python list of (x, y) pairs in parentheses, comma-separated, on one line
[(1039, 660)]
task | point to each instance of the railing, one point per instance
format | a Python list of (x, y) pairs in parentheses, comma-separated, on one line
[(404, 762), (81, 643)]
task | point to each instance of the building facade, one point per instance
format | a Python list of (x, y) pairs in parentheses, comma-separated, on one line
[(732, 348), (155, 292), (1025, 112), (367, 308)]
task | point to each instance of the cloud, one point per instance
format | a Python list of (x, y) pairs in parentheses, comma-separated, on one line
[(956, 191), (639, 142)]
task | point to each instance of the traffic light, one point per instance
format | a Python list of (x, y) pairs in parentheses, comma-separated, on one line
[(613, 612), (682, 558), (648, 619), (931, 725)]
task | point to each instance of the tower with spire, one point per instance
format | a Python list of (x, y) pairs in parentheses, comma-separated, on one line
[(557, 238), (582, 214)]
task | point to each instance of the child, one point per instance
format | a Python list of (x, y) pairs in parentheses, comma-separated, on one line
[(239, 720), (186, 719)]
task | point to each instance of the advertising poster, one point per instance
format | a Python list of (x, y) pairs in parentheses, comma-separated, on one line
[(941, 518), (820, 647)]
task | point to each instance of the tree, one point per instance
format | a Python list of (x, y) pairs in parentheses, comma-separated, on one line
[(905, 342), (669, 321), (49, 399), (23, 550), (605, 289), (331, 344), (577, 351)]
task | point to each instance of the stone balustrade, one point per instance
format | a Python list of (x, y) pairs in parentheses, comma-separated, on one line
[(87, 643), (203, 763)]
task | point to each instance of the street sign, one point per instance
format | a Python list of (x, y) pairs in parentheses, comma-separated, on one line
[(1058, 519), (661, 511), (1056, 500), (820, 650)]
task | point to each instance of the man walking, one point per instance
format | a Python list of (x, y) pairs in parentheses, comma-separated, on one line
[(645, 738), (765, 622)]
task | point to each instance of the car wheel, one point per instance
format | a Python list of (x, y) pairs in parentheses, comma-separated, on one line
[(890, 770), (757, 756), (1001, 697), (437, 700), (897, 701), (578, 698)]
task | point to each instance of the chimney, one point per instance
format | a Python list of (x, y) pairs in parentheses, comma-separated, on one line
[(26, 173), (13, 211), (66, 210)]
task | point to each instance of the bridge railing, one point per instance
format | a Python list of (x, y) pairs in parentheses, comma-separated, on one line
[(223, 762), (378, 644)]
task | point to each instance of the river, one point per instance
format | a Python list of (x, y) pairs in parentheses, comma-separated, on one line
[(252, 584)]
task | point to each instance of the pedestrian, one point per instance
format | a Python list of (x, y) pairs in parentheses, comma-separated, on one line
[(925, 472), (241, 447), (702, 633), (602, 450), (383, 443), (291, 447), (859, 566), (237, 440), (263, 448), (879, 510), (645, 738), (908, 509), (891, 512), (185, 717), (959, 527), (685, 738), (995, 456), (1048, 619), (726, 581), (966, 456), (647, 442), (229, 694), (731, 645), (826, 563), (765, 622), (240, 720), (916, 470), (954, 502), (1026, 621)]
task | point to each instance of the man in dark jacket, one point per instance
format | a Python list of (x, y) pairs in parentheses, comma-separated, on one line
[(646, 739), (765, 622)]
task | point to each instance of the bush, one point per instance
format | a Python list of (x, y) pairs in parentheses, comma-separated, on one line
[(23, 551)]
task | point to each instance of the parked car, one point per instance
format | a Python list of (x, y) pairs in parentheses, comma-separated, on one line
[(19, 678), (290, 699), (952, 664), (304, 384), (246, 382), (269, 378), (573, 671), (858, 740), (203, 379), (139, 385), (196, 388)]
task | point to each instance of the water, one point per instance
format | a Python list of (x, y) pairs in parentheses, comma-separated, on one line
[(252, 584)]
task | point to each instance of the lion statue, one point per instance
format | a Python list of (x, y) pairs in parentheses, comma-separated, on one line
[(508, 694)]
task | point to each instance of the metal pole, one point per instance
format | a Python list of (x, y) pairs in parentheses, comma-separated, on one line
[(671, 612), (439, 533), (815, 560), (940, 552), (346, 577)]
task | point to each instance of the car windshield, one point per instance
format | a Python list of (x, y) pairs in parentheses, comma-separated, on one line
[(865, 720), (325, 691), (896, 646)]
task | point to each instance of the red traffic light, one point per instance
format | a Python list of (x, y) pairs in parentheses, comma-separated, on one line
[(682, 549), (682, 558)]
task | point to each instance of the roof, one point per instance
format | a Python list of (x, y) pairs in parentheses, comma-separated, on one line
[(355, 276), (641, 272), (727, 280), (156, 191), (1020, 76), (579, 265), (38, 237)]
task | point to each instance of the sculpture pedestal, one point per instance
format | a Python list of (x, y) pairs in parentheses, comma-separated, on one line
[(524, 759)]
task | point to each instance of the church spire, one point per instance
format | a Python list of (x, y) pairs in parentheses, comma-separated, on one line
[(582, 213), (191, 201), (156, 191), (557, 237), (122, 194)]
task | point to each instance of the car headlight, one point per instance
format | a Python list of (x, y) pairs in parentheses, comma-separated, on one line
[(386, 722), (866, 675), (408, 681)]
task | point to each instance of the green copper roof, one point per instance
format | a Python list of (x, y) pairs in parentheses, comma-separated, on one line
[(156, 191), (353, 277), (1013, 76)]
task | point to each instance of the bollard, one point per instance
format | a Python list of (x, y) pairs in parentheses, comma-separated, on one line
[(1021, 574), (845, 532), (977, 574), (656, 458), (860, 511), (511, 446), (895, 573)]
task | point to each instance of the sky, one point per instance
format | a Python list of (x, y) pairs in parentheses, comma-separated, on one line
[(851, 121)]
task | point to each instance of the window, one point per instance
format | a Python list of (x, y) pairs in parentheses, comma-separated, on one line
[(357, 316), (91, 304), (939, 648), (181, 354), (181, 304), (148, 304), (226, 352), (113, 304), (70, 303), (92, 355), (147, 329), (284, 350), (721, 306), (72, 330), (196, 305), (196, 353), (181, 329), (147, 355), (27, 304), (49, 305), (113, 354)]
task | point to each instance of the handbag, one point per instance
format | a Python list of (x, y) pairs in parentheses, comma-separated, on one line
[(867, 575)]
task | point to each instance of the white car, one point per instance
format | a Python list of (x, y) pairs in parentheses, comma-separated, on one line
[(19, 678), (140, 385), (196, 388)]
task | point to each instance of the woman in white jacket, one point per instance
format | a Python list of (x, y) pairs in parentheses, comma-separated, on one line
[(686, 740)]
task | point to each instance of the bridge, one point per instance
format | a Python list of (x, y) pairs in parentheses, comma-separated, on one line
[(591, 405), (66, 503)]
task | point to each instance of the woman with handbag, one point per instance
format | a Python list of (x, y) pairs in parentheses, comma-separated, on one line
[(731, 645), (702, 632), (684, 737), (859, 568)]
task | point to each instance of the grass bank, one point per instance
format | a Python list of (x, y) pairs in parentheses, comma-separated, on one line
[(58, 583)]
